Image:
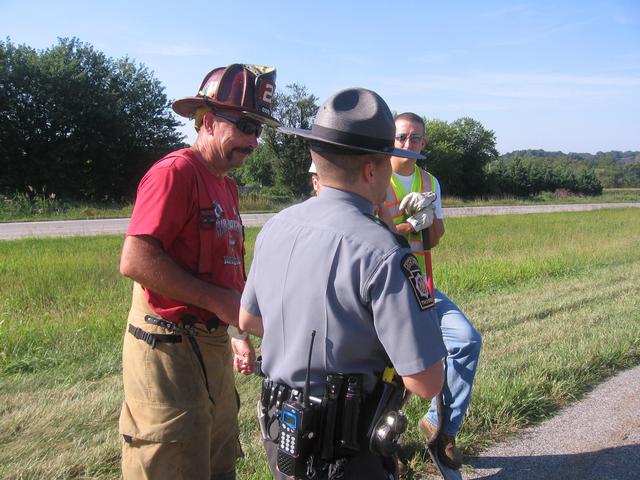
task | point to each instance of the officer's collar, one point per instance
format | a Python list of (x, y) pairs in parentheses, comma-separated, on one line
[(361, 203)]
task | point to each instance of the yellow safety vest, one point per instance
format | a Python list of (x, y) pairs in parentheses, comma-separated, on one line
[(422, 182)]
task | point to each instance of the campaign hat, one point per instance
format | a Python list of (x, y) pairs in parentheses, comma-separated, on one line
[(355, 119)]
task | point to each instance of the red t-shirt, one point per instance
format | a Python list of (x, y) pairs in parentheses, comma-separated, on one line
[(200, 230)]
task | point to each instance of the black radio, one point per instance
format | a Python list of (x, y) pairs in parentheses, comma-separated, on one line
[(299, 422), (297, 438)]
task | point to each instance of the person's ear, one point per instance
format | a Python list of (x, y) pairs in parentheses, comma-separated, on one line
[(315, 182), (368, 171), (208, 123)]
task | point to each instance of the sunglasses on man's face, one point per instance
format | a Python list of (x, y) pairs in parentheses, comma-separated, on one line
[(244, 125), (414, 137)]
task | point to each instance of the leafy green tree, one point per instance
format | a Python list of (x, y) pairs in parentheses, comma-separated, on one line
[(479, 147), (443, 152), (588, 183), (257, 170), (457, 153), (77, 123), (610, 168), (631, 175), (521, 176), (294, 108)]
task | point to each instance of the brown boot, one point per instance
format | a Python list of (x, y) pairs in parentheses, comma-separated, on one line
[(401, 467), (446, 445)]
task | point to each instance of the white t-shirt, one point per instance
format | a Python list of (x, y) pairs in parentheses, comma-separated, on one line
[(407, 181)]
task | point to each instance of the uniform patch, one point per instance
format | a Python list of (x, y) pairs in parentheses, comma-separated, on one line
[(417, 280)]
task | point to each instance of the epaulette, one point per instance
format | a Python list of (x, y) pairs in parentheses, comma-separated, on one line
[(402, 241)]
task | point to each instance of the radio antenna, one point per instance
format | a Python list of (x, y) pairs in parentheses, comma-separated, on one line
[(307, 381)]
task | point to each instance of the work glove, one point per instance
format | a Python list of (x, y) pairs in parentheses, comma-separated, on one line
[(423, 218), (415, 201)]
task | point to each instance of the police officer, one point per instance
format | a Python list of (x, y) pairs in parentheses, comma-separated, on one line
[(328, 265)]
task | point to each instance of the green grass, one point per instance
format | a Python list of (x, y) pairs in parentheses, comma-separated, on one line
[(555, 297)]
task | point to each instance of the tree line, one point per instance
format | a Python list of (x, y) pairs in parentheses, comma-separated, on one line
[(79, 124), (461, 154), (613, 169)]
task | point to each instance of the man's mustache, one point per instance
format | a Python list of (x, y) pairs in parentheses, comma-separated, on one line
[(245, 150)]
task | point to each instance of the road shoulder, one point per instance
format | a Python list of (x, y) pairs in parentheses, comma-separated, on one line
[(595, 438)]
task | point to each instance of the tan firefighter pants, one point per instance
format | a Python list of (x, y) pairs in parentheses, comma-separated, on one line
[(170, 426)]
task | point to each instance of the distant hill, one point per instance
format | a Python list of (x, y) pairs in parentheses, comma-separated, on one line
[(614, 169), (590, 158)]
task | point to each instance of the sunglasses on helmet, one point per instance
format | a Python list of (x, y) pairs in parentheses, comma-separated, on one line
[(243, 124)]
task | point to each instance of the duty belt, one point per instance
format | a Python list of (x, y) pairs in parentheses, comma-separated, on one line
[(323, 433)]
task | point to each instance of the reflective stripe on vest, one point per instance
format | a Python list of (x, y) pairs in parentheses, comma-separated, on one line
[(395, 194)]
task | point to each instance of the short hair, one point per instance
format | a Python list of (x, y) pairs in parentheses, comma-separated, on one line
[(331, 149), (411, 117), (338, 163)]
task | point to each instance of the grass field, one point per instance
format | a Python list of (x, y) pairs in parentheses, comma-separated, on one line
[(555, 297)]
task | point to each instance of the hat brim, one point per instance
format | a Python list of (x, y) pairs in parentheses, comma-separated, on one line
[(394, 152), (187, 107)]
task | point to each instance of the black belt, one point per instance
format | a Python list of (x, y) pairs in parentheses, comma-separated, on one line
[(153, 338), (186, 329)]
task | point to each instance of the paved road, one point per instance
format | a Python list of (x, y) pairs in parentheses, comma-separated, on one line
[(597, 438), (116, 226), (111, 226)]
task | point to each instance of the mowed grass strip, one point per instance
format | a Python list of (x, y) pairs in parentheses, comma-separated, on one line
[(554, 295), (22, 208)]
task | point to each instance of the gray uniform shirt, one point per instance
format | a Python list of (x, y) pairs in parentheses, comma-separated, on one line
[(325, 265)]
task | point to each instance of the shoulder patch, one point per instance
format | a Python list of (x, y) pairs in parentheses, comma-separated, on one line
[(411, 269)]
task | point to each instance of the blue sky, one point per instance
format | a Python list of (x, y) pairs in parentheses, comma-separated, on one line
[(557, 75)]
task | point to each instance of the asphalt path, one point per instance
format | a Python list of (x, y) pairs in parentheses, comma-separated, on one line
[(597, 438), (116, 226), (106, 226)]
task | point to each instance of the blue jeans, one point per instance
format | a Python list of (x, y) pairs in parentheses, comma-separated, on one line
[(463, 344)]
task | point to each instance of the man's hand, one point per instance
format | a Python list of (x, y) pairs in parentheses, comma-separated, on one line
[(423, 218), (413, 202), (243, 355)]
